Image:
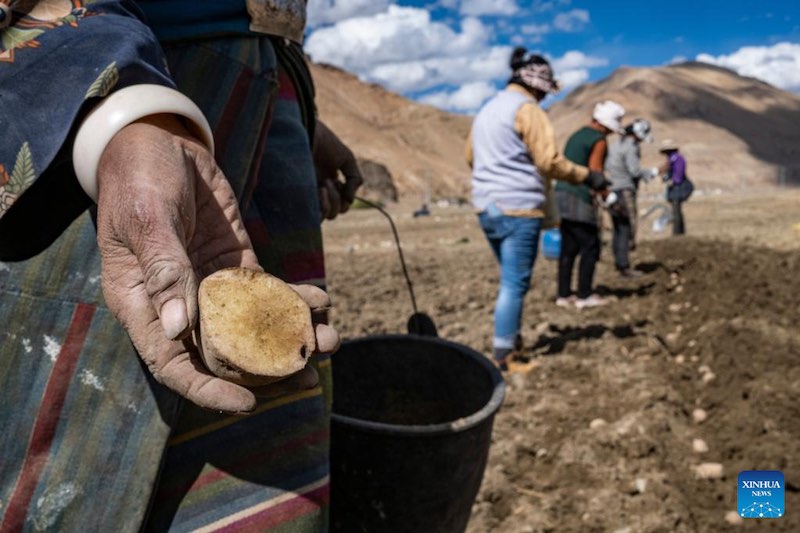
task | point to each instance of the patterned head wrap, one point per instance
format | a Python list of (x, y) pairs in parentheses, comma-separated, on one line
[(532, 70), (538, 76)]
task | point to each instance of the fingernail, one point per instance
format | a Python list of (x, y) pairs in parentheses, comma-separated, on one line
[(174, 319)]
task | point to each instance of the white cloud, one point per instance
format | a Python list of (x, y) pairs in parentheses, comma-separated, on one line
[(329, 11), (572, 69), (571, 21), (542, 6), (467, 98), (489, 7), (535, 29), (405, 50), (488, 64), (577, 60), (570, 79), (446, 4), (399, 34), (778, 65)]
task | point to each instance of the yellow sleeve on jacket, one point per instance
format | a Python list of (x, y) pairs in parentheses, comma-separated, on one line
[(533, 124)]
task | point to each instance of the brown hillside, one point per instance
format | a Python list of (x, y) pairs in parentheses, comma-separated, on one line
[(419, 144), (734, 131)]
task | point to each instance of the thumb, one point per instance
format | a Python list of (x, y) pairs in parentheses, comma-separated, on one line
[(169, 277)]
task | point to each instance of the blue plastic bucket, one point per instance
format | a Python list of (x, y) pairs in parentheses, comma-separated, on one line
[(551, 243)]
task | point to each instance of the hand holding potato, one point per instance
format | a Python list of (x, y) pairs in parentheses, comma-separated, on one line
[(166, 218)]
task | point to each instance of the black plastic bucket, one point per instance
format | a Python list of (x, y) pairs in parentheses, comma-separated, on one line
[(412, 424)]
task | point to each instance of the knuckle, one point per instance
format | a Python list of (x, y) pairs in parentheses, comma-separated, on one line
[(162, 274)]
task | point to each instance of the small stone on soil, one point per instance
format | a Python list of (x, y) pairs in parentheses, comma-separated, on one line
[(597, 423), (709, 377), (708, 470), (699, 416), (699, 446), (640, 485), (517, 381), (541, 328), (733, 518)]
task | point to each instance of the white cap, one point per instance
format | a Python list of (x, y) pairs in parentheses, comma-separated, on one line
[(609, 114), (668, 145), (640, 128)]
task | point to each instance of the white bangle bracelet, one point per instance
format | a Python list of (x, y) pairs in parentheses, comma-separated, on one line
[(124, 107)]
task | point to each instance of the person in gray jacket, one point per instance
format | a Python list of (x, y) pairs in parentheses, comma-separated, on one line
[(623, 169), (512, 152)]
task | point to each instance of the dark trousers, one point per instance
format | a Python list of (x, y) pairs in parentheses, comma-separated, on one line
[(623, 233), (624, 217), (678, 227), (578, 238)]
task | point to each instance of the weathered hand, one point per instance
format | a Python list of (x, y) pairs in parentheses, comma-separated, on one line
[(332, 156), (167, 217)]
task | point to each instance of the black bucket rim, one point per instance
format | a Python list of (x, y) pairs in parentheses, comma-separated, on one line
[(445, 428)]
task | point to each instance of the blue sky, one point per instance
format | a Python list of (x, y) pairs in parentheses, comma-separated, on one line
[(453, 53)]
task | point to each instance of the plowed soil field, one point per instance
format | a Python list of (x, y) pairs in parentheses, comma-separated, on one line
[(606, 408)]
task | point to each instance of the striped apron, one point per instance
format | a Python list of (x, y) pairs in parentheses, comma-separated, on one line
[(89, 441)]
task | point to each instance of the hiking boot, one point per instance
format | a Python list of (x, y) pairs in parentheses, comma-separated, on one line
[(630, 273), (591, 301), (502, 356), (518, 343), (569, 301)]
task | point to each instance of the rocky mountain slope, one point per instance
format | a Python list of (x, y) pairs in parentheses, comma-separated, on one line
[(735, 131), (421, 146)]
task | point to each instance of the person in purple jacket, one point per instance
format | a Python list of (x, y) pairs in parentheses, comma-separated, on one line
[(679, 187)]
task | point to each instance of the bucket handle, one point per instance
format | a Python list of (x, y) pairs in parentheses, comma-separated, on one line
[(418, 323)]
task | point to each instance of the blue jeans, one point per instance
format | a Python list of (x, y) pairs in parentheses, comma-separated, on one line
[(515, 242)]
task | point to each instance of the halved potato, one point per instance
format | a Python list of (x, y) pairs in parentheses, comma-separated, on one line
[(254, 328)]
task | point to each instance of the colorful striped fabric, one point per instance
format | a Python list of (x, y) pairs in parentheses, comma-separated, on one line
[(89, 441)]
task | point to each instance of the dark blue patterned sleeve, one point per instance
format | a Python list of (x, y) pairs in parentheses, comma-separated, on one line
[(55, 61)]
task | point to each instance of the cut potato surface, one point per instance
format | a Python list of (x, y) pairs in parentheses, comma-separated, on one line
[(254, 328)]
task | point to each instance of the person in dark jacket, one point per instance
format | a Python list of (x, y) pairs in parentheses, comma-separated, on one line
[(580, 233)]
